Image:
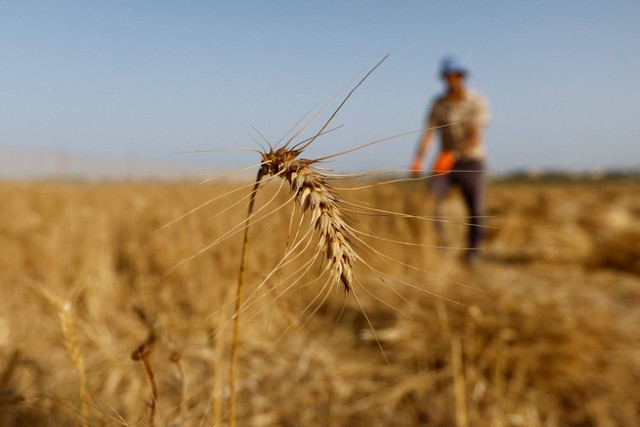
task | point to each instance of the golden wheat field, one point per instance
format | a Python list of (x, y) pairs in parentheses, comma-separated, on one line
[(113, 314)]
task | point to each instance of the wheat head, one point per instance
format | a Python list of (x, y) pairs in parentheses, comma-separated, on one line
[(315, 197), (72, 343)]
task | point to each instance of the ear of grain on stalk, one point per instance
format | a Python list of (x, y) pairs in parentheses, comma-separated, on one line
[(67, 325), (315, 197)]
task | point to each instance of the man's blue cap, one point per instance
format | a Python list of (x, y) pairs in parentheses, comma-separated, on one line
[(449, 65)]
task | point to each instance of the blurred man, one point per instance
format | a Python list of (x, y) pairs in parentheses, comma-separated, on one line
[(461, 114)]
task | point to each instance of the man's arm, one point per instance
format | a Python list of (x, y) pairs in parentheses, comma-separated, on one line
[(423, 148)]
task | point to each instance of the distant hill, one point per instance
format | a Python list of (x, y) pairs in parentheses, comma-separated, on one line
[(33, 163), (558, 175)]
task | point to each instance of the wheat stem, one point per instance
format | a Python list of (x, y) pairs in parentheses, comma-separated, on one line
[(233, 370)]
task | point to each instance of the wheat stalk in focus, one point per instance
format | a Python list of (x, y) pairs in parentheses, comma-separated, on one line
[(313, 195)]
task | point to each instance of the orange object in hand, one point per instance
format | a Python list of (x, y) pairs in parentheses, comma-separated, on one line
[(445, 161)]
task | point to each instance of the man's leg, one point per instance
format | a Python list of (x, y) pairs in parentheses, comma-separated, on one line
[(470, 177), (439, 187)]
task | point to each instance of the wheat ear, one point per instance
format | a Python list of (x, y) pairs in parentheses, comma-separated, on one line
[(315, 197), (67, 325), (75, 354)]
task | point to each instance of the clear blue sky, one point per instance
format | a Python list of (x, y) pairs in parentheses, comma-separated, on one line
[(147, 79)]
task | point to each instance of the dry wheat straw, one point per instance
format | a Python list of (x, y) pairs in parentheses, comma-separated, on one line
[(8, 396), (141, 354), (459, 382), (181, 410)]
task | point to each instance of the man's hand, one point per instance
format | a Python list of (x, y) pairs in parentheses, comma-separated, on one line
[(416, 167)]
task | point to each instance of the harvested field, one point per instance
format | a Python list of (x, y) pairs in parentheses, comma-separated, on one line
[(545, 331)]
